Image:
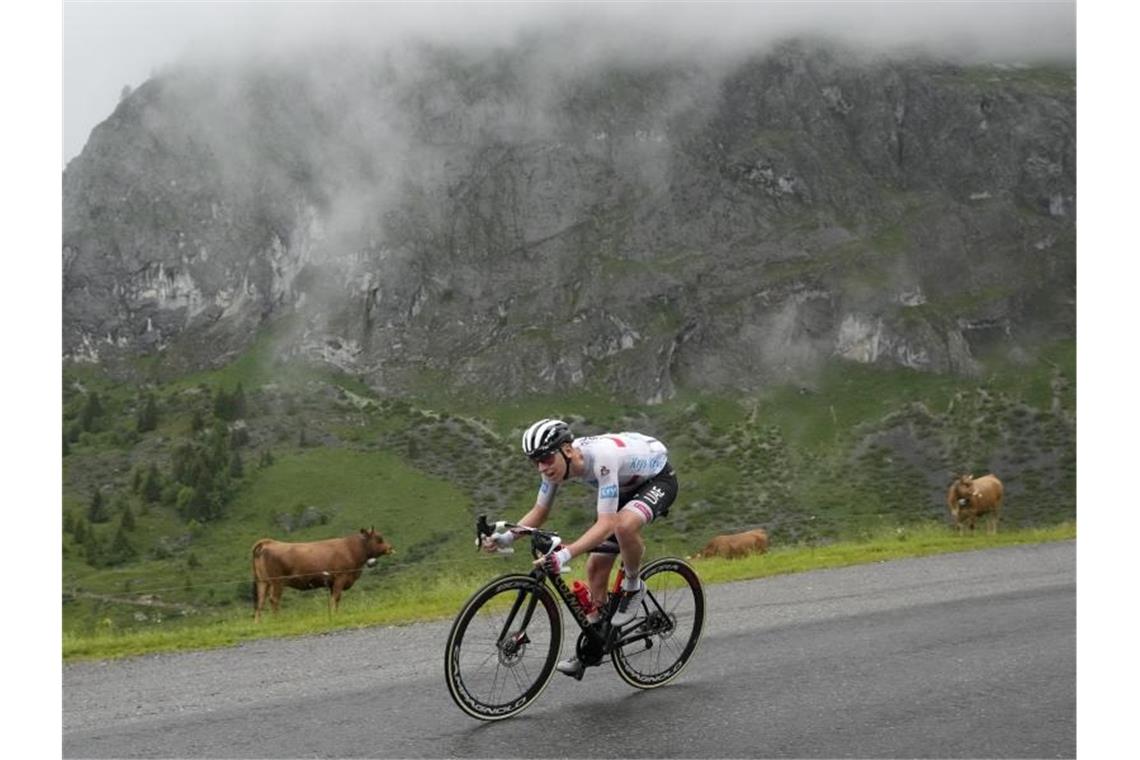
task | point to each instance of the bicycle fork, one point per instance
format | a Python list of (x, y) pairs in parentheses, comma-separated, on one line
[(513, 640)]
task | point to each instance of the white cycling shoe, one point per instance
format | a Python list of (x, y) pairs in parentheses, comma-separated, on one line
[(629, 605), (571, 666)]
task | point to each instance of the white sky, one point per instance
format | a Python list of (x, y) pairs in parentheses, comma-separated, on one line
[(112, 44)]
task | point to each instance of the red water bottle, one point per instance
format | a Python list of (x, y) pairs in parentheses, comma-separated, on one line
[(582, 591)]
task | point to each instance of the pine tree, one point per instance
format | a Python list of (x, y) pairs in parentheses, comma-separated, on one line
[(147, 417), (127, 520), (223, 404), (152, 484), (97, 508), (121, 549), (92, 411)]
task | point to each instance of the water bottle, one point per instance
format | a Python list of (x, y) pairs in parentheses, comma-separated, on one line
[(582, 591)]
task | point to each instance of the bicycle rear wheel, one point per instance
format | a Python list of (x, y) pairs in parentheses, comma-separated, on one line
[(502, 647), (655, 647)]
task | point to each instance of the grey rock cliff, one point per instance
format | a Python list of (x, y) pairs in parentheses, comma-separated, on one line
[(489, 220)]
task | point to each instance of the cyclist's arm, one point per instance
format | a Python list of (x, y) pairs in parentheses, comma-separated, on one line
[(536, 517), (607, 509), (594, 535)]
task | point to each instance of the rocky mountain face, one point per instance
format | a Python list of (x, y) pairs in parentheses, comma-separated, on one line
[(505, 222)]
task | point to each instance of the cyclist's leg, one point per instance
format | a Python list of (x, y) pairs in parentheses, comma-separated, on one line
[(598, 568), (650, 501), (628, 532)]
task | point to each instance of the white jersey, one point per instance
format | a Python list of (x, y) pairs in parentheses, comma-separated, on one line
[(616, 464)]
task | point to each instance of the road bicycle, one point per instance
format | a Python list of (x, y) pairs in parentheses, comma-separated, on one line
[(507, 638)]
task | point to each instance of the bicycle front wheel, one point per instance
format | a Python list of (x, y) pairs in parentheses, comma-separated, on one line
[(503, 646), (655, 647)]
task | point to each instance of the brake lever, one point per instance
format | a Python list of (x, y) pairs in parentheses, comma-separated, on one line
[(481, 529)]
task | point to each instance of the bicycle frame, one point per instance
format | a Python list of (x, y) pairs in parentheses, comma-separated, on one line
[(603, 635), (489, 685)]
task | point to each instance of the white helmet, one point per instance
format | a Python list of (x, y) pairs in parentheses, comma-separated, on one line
[(544, 437)]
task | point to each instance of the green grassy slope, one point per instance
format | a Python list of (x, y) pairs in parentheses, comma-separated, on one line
[(862, 451)]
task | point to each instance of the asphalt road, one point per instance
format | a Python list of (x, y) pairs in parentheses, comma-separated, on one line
[(964, 655)]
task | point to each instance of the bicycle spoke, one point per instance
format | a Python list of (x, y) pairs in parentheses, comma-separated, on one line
[(504, 629), (660, 646)]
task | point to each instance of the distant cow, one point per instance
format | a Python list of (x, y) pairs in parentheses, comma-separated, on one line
[(969, 498), (736, 544), (334, 564)]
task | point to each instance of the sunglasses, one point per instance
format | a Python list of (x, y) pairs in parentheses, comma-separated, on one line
[(543, 459)]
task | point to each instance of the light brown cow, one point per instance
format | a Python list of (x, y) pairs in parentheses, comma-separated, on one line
[(736, 544), (969, 498), (334, 563)]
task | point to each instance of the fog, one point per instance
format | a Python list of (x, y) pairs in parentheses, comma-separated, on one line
[(110, 45)]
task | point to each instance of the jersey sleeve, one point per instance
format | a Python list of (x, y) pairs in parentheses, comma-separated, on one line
[(607, 477)]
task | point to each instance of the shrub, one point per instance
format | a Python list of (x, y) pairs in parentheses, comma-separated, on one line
[(92, 548), (79, 530), (230, 406)]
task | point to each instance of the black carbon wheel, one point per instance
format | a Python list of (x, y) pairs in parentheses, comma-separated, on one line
[(503, 647), (657, 644)]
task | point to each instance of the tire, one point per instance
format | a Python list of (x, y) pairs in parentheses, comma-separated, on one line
[(492, 679), (660, 642)]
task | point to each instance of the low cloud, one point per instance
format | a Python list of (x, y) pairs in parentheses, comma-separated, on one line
[(109, 45)]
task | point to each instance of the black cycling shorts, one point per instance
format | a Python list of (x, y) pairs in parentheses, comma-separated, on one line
[(657, 493)]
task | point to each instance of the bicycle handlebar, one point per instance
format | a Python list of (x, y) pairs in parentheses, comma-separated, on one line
[(542, 541)]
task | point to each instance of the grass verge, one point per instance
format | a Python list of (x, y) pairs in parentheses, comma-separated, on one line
[(442, 597)]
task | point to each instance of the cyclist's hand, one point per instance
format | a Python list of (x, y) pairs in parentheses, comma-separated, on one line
[(555, 562), (497, 542)]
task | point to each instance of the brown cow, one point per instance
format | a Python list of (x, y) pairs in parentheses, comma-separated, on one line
[(736, 544), (334, 563), (969, 498)]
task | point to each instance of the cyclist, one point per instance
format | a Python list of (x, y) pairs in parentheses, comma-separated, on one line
[(635, 485)]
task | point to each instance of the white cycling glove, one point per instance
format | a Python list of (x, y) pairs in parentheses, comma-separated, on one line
[(499, 541), (557, 561)]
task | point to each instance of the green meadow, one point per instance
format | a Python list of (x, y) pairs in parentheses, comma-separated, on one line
[(168, 481), (401, 597)]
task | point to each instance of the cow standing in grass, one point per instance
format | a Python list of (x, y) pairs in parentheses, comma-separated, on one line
[(969, 498), (736, 544), (334, 564)]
